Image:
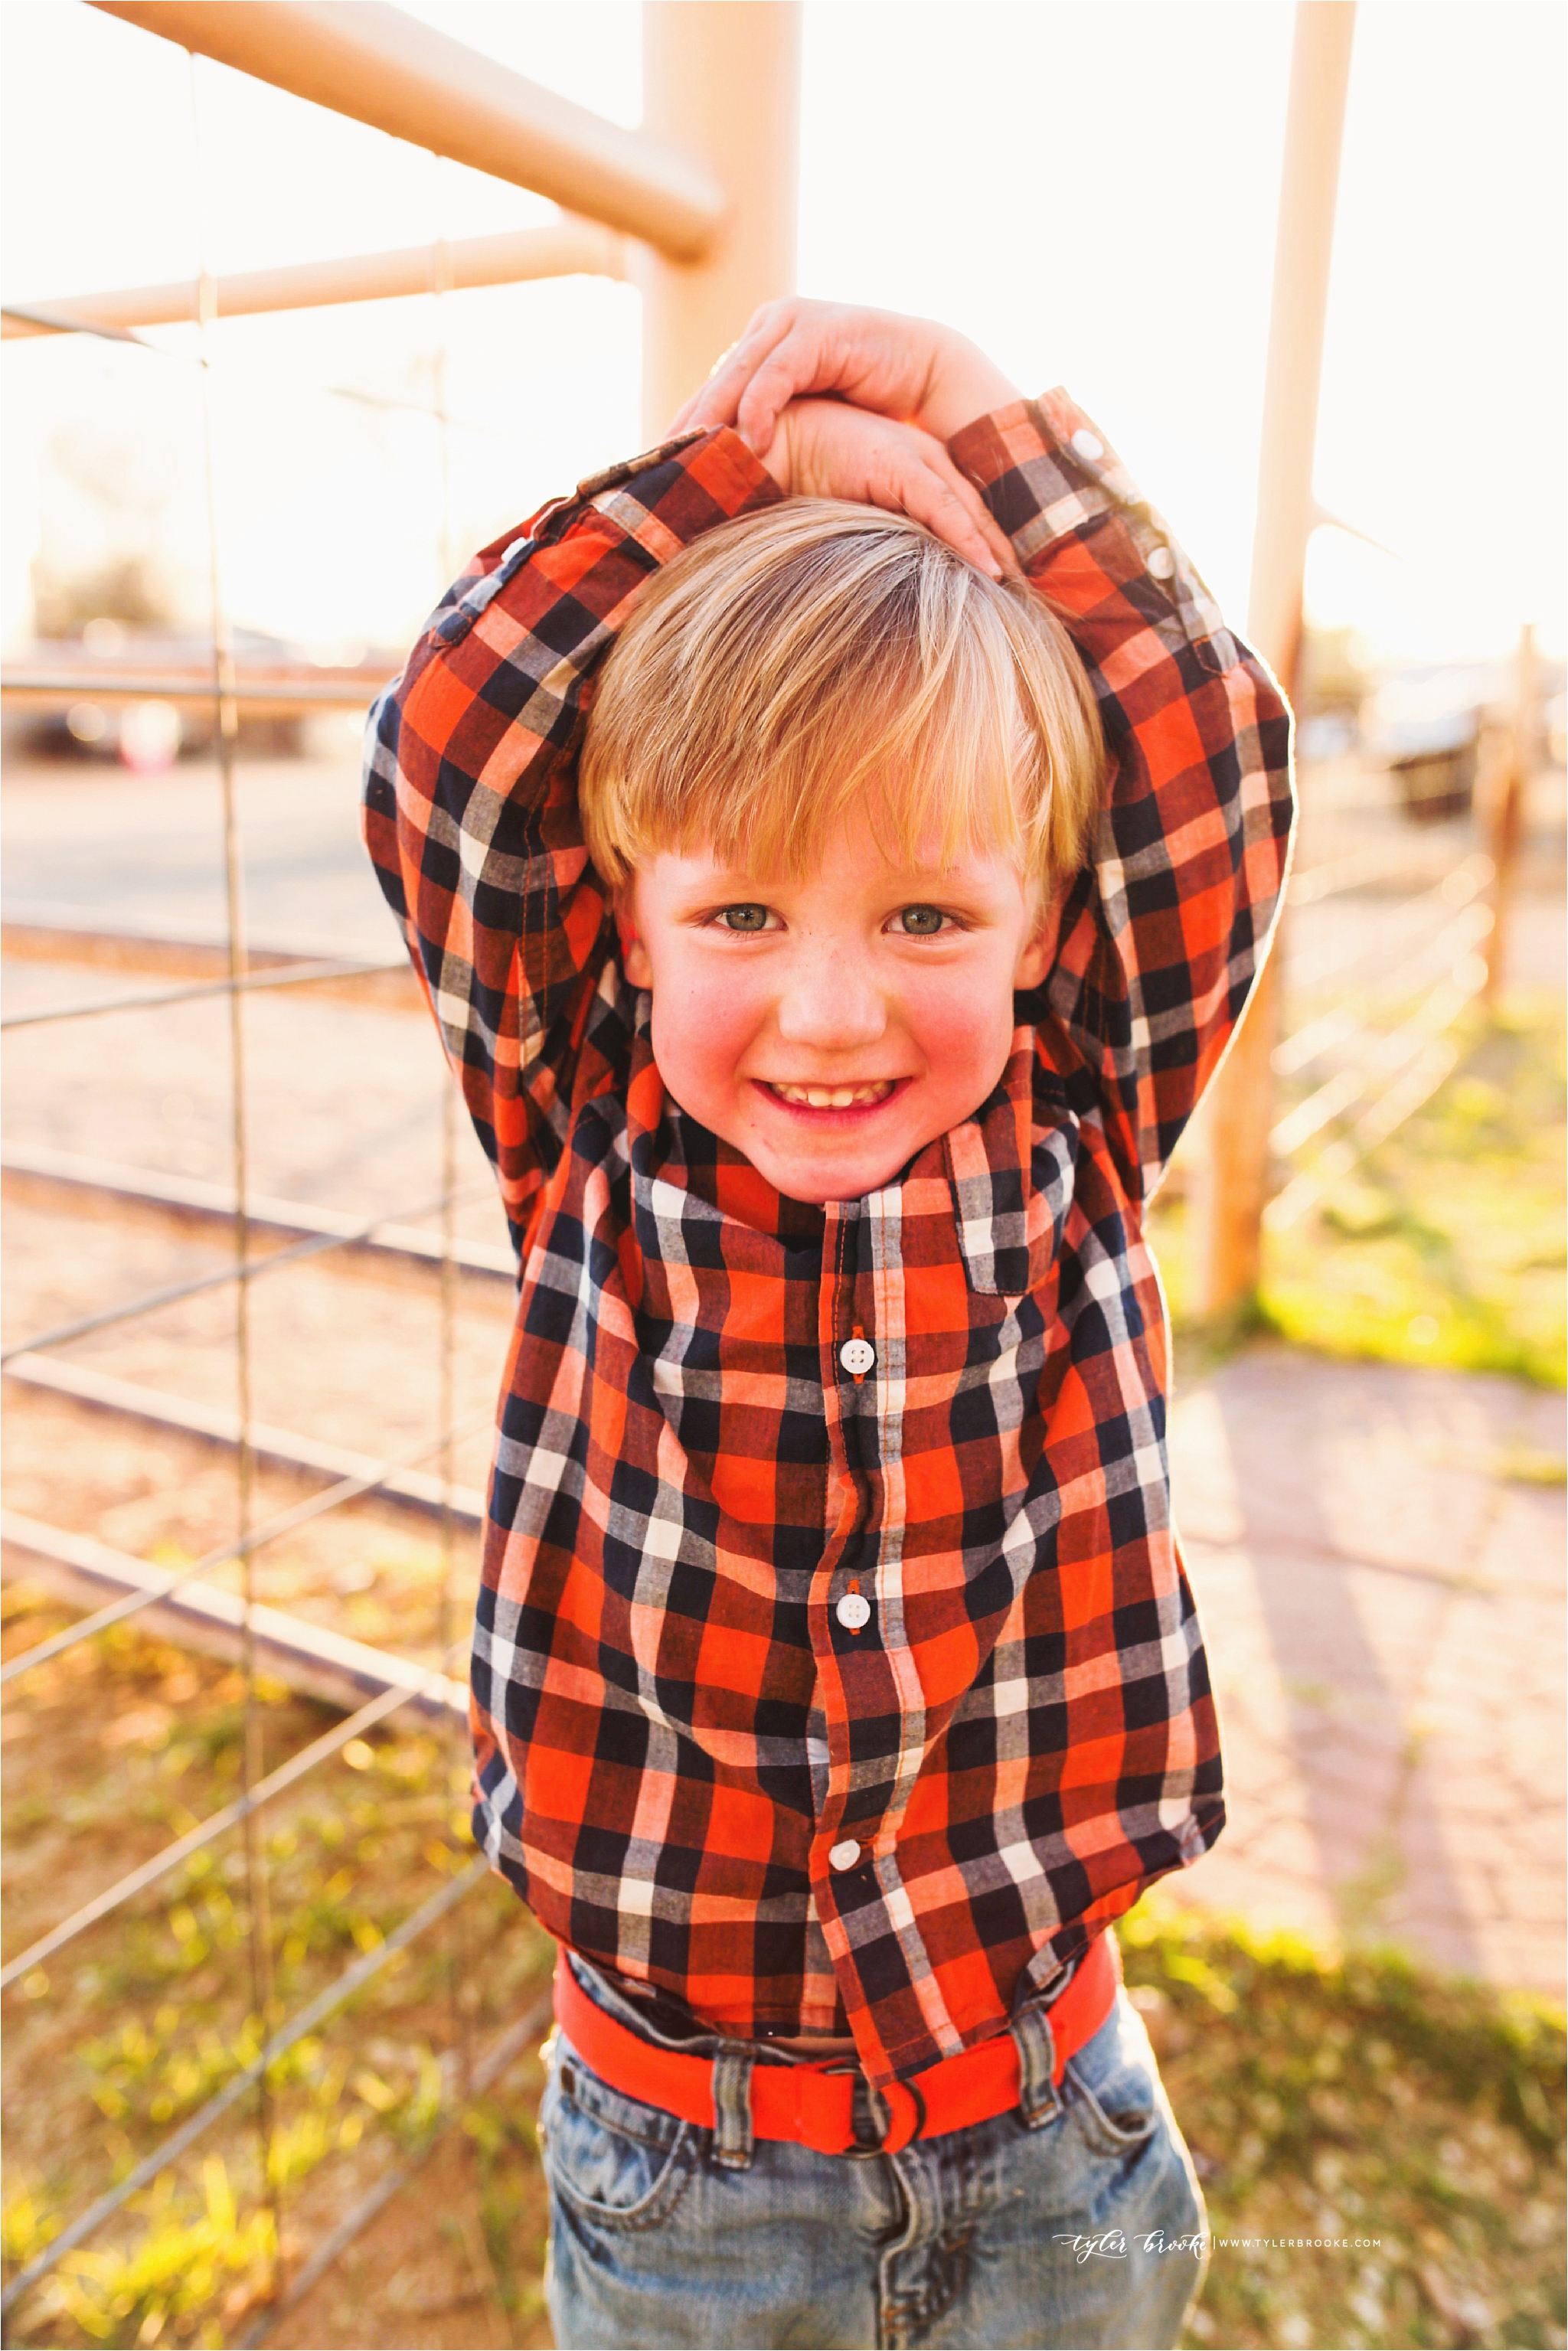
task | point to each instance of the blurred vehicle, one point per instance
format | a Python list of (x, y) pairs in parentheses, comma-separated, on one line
[(1425, 726), (144, 697)]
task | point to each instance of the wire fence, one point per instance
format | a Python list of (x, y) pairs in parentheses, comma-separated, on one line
[(466, 2071), (1383, 946)]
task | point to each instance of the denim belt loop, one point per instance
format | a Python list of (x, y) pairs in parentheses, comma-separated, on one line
[(1039, 2101), (733, 2142)]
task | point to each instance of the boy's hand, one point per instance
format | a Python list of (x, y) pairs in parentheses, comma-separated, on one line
[(826, 449), (908, 368)]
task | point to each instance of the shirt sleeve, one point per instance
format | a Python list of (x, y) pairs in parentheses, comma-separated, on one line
[(1162, 935), (470, 797)]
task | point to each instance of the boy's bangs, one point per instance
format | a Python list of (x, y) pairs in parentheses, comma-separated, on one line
[(823, 659), (932, 762)]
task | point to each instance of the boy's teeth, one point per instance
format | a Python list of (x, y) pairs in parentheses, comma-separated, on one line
[(835, 1097)]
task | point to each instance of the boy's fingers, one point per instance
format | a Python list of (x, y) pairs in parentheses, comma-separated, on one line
[(997, 551), (990, 531), (718, 401), (795, 349), (793, 370), (998, 542), (704, 408), (874, 361), (927, 498), (902, 473), (841, 451)]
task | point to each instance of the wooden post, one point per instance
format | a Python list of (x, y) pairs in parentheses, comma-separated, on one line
[(721, 81), (1505, 813), (1232, 1177)]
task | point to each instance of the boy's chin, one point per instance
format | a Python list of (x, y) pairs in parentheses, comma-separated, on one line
[(815, 1177)]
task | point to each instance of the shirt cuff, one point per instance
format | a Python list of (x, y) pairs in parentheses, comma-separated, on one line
[(1041, 467)]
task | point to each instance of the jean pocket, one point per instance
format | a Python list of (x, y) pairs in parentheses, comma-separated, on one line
[(1116, 2084), (615, 2164)]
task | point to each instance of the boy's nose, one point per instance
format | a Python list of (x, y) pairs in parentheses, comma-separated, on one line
[(831, 1002)]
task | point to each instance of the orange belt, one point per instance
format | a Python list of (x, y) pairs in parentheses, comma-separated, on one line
[(814, 2105)]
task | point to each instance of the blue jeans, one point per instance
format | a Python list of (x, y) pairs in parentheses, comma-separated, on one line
[(1073, 2220)]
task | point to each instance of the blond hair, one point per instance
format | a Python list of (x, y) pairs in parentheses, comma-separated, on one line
[(794, 662)]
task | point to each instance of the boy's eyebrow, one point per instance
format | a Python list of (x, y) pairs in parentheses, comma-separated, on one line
[(911, 888), (729, 881), (720, 876)]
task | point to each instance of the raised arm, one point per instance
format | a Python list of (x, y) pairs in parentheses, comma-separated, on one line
[(471, 814), (1162, 934)]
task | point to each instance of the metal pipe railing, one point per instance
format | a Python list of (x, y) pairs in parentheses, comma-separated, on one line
[(569, 247), (273, 698), (1468, 929), (378, 66), (1388, 1051), (1307, 967), (189, 1196)]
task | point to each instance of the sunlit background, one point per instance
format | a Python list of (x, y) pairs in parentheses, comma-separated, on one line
[(1087, 190)]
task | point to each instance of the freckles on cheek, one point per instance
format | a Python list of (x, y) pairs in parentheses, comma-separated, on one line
[(700, 1027), (963, 1026)]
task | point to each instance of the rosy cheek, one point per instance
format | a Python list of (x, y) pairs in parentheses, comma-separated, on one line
[(956, 1023), (703, 1020)]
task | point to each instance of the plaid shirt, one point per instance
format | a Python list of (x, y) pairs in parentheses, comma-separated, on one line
[(695, 1774)]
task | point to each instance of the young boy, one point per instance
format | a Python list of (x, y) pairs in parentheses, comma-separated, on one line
[(836, 1678)]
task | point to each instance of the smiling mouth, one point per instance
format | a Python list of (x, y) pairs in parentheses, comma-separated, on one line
[(865, 1097)]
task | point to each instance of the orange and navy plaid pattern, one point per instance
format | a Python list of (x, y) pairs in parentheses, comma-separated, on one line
[(674, 1729)]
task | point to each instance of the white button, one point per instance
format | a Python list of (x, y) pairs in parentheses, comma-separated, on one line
[(857, 1357), (844, 1857), (1162, 563), (1088, 445), (853, 1611)]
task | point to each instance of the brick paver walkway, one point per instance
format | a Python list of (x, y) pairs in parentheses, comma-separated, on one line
[(1378, 1556)]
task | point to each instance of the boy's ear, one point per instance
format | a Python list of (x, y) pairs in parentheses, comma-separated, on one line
[(1034, 957), (634, 960), (1040, 947)]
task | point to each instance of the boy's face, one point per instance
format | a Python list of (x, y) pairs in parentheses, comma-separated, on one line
[(831, 1027)]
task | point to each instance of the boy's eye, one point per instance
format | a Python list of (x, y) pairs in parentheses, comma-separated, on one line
[(920, 922), (743, 918)]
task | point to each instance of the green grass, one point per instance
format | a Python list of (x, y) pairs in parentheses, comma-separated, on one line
[(1446, 1245), (115, 2043), (1363, 2098)]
